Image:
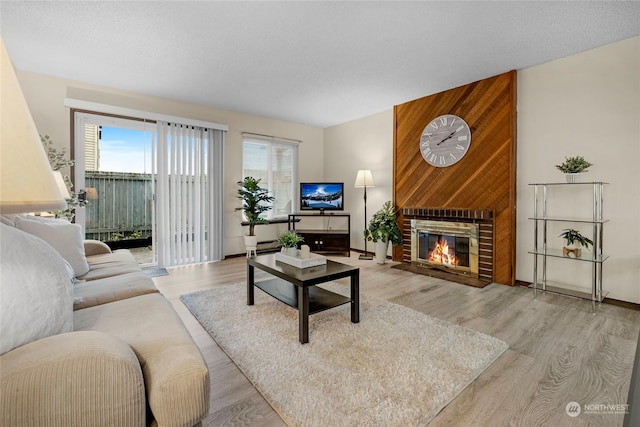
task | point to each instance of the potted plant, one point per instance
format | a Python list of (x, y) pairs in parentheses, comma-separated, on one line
[(289, 242), (255, 201), (383, 228), (572, 167), (574, 241)]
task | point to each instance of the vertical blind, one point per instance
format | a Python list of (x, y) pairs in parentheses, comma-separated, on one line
[(189, 188)]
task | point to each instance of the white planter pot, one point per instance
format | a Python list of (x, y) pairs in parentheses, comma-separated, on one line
[(572, 177), (381, 248), (250, 242), (291, 251)]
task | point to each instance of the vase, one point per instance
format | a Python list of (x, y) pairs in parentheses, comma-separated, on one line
[(381, 248), (250, 242), (572, 177), (572, 252), (291, 251)]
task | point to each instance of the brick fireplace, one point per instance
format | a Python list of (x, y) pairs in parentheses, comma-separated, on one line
[(454, 244)]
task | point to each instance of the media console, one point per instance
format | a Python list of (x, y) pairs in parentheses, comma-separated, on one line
[(324, 233)]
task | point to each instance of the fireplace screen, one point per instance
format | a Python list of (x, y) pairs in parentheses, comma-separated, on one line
[(443, 244)]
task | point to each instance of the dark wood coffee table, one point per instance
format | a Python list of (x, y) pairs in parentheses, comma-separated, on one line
[(297, 288)]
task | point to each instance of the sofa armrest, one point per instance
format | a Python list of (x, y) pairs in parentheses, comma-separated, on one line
[(177, 381), (77, 378), (95, 247)]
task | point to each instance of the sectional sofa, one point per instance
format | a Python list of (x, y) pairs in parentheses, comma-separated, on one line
[(86, 338)]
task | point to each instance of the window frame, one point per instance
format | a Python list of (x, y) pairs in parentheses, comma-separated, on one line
[(270, 143)]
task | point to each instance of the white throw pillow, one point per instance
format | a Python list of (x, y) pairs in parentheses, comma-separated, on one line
[(65, 237), (36, 295)]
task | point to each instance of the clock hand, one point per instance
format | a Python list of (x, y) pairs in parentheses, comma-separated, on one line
[(450, 135)]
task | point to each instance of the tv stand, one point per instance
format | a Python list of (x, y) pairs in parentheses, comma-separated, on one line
[(320, 235)]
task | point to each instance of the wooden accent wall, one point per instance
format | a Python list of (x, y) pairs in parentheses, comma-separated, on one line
[(484, 179)]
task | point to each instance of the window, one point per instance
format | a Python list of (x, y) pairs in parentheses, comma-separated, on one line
[(275, 163)]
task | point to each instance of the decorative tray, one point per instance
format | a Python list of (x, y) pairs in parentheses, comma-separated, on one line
[(312, 261)]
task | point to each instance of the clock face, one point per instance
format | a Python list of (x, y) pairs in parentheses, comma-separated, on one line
[(445, 140)]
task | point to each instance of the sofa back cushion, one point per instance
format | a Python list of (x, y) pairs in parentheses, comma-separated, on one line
[(65, 237), (36, 295)]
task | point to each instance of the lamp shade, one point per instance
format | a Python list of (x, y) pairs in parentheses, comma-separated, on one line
[(364, 179), (27, 183)]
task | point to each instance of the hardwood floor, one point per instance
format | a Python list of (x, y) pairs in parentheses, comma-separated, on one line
[(559, 351)]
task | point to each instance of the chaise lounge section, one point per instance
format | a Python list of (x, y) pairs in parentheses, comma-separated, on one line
[(112, 352)]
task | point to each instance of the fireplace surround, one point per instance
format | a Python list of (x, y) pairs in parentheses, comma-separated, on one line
[(451, 227), (445, 245)]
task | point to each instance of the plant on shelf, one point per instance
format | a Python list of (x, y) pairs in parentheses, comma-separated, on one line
[(574, 240), (572, 166), (289, 242), (255, 201), (383, 228)]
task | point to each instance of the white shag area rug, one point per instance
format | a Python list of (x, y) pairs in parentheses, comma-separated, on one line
[(397, 367)]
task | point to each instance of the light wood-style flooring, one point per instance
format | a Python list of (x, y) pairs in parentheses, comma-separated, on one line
[(559, 351)]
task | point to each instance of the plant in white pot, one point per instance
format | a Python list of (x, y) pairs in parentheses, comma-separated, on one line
[(255, 201), (572, 167), (289, 242), (574, 242), (383, 228)]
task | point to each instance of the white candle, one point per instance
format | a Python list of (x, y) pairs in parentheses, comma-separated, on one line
[(305, 251)]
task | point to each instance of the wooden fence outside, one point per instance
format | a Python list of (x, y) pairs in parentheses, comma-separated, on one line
[(123, 205)]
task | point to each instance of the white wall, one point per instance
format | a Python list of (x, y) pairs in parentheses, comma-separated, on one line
[(365, 143), (45, 96), (586, 104)]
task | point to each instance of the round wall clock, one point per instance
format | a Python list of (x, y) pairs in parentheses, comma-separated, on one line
[(445, 140)]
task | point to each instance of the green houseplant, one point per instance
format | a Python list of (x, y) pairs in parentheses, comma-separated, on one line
[(574, 241), (255, 201), (383, 228), (573, 166), (289, 242)]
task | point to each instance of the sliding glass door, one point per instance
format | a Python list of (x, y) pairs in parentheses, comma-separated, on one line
[(114, 160), (154, 187)]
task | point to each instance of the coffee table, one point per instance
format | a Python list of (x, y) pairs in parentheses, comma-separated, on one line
[(297, 288)]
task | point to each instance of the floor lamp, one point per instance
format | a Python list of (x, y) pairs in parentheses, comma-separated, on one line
[(364, 179)]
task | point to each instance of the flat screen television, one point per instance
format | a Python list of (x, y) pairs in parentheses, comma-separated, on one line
[(321, 196)]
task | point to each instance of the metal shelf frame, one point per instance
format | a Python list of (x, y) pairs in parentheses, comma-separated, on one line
[(540, 249)]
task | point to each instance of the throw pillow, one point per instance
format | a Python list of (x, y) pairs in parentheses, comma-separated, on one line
[(65, 237), (36, 295)]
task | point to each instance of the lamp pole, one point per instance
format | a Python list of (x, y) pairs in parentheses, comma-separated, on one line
[(364, 179), (365, 255)]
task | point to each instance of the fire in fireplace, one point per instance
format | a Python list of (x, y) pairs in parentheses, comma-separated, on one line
[(443, 244)]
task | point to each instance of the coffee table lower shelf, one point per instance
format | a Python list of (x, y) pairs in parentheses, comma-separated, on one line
[(319, 299)]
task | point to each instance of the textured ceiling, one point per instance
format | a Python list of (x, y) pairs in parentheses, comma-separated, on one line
[(318, 63)]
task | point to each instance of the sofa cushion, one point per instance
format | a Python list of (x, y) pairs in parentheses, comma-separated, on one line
[(36, 298), (175, 373), (65, 237), (110, 264), (109, 289)]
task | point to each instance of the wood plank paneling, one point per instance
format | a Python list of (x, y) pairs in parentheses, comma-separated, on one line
[(483, 179)]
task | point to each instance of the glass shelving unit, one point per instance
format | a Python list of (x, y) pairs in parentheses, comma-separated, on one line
[(542, 252)]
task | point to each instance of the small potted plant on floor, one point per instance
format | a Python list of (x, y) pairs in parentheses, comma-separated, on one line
[(574, 242), (255, 201), (289, 242), (572, 167), (383, 228)]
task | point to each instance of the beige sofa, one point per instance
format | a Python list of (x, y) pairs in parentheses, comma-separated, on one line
[(128, 361)]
